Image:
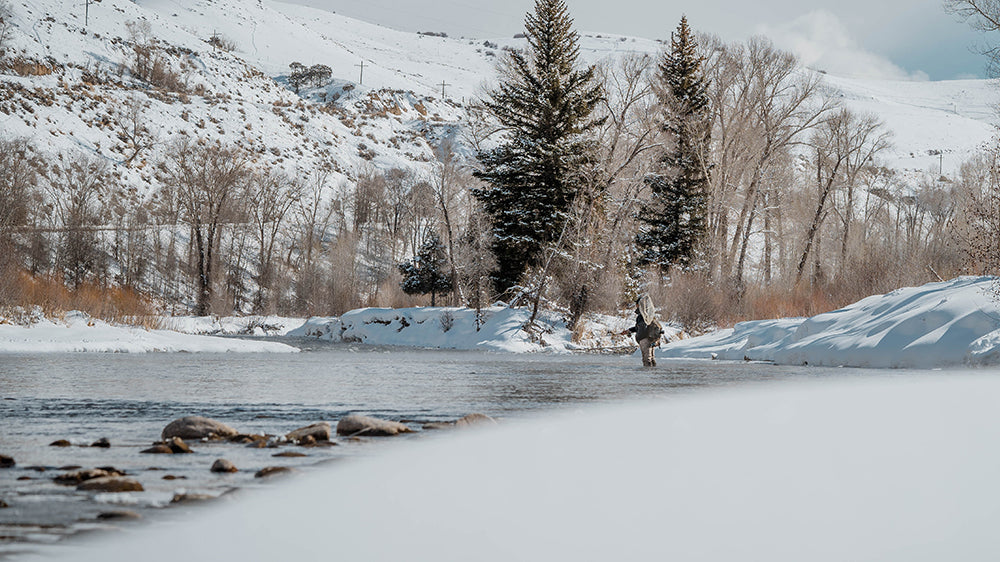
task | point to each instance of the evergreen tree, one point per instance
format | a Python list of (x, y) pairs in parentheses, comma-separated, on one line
[(673, 220), (545, 104), (427, 272)]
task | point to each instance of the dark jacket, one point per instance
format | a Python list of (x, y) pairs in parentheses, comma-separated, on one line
[(641, 329)]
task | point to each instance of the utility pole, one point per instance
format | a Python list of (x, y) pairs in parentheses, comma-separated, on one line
[(443, 84), (362, 65), (940, 163), (86, 13)]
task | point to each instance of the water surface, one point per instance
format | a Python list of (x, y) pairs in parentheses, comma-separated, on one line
[(130, 398)]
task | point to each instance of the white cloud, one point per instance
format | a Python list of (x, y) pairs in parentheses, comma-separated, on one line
[(822, 41)]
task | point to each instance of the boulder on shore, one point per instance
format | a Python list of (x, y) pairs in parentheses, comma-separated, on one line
[(6, 462), (365, 425), (222, 465), (111, 484), (318, 431), (197, 427)]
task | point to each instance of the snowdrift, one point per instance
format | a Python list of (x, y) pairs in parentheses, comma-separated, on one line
[(499, 329), (80, 333), (939, 324), (888, 469)]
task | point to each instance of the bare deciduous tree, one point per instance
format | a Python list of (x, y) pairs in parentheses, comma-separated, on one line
[(130, 120), (982, 15), (207, 180)]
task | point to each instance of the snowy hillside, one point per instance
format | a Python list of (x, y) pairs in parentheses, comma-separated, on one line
[(391, 119)]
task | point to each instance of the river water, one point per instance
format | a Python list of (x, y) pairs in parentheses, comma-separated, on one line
[(128, 399)]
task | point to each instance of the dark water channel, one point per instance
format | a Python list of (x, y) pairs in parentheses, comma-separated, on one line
[(130, 398)]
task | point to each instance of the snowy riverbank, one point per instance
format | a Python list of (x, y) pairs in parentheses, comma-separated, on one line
[(951, 323), (78, 332), (886, 469), (499, 329)]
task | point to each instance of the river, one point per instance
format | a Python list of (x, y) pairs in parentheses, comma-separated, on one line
[(128, 399)]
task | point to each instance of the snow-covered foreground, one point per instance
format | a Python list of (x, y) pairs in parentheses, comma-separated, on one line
[(500, 329), (939, 324), (80, 333), (889, 469)]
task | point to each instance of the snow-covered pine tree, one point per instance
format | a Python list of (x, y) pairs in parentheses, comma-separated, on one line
[(672, 221), (545, 103), (427, 272)]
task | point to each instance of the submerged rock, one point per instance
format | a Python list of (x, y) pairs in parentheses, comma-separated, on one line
[(318, 431), (190, 497), (60, 443), (120, 515), (110, 484), (222, 465), (102, 443), (173, 445), (465, 421), (75, 478), (248, 438), (6, 462), (197, 427), (271, 471), (173, 477), (3, 504), (364, 425), (475, 419), (289, 454)]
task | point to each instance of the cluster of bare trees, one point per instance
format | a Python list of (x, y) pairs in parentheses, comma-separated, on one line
[(223, 235)]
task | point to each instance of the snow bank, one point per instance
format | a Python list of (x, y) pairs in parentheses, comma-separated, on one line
[(900, 469), (234, 325), (939, 324), (500, 329), (80, 333)]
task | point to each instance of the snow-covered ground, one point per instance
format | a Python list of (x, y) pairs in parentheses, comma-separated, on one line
[(939, 324), (900, 469), (233, 325), (500, 329), (80, 333)]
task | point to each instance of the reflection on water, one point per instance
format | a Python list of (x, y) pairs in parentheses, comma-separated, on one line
[(130, 398)]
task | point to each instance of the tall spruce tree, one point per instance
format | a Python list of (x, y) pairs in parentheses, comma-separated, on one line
[(673, 220), (545, 103)]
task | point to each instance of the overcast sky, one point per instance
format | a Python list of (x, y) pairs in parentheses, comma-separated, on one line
[(887, 38)]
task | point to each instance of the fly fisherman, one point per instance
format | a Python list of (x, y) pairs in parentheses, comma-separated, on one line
[(647, 329)]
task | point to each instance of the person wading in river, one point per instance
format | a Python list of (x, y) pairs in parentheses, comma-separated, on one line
[(647, 329)]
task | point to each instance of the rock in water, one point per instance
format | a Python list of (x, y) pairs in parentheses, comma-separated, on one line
[(289, 454), (118, 515), (177, 445), (60, 443), (475, 419), (222, 465), (197, 427), (112, 484), (6, 462), (364, 425), (271, 470), (74, 478), (158, 449), (318, 431), (465, 421), (102, 443), (3, 504)]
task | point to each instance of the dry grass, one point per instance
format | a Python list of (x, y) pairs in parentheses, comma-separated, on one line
[(112, 304)]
